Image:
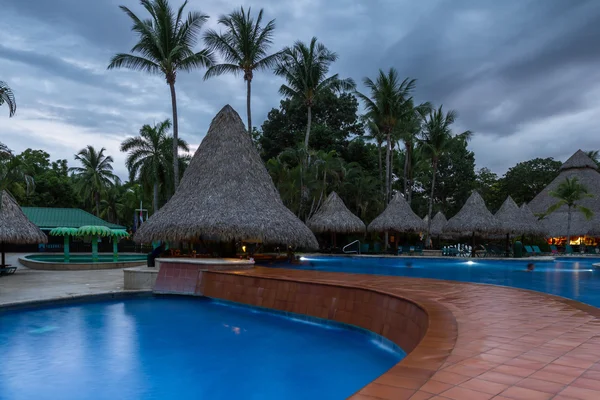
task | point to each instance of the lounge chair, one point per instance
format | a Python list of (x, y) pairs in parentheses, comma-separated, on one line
[(7, 270), (419, 250), (554, 249), (364, 248), (377, 248), (538, 251), (568, 249)]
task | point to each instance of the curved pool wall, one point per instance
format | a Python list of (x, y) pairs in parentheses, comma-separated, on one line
[(574, 278), (56, 261), (184, 348)]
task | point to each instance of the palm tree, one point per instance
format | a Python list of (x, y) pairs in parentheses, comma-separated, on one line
[(436, 140), (149, 155), (408, 129), (243, 47), (379, 137), (7, 96), (305, 68), (14, 175), (386, 105), (95, 174), (165, 47), (569, 193)]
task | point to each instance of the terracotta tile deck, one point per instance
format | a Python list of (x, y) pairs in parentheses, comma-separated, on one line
[(482, 342)]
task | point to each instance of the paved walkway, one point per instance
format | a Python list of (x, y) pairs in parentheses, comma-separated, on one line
[(29, 284)]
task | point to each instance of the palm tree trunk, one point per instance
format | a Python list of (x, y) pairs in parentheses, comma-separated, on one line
[(308, 123), (248, 93), (391, 170), (380, 167), (569, 226), (387, 168), (155, 198), (175, 137), (97, 198), (428, 241)]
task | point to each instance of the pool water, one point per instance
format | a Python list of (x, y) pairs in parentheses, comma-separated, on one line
[(180, 348), (86, 258), (570, 277)]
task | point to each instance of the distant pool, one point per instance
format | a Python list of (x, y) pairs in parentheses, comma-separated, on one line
[(180, 348), (571, 277), (85, 258)]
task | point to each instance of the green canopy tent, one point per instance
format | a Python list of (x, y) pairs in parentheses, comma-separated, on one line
[(66, 232), (94, 231), (116, 235)]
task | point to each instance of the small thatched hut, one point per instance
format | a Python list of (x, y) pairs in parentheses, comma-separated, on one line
[(15, 227), (510, 218), (226, 193), (474, 218), (334, 217), (533, 224), (399, 217), (583, 168), (438, 222)]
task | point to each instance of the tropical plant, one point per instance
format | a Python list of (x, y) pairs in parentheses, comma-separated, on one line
[(569, 193), (165, 47), (305, 68), (594, 155), (14, 176), (7, 96), (243, 47), (385, 106), (436, 140), (149, 156), (111, 207), (379, 138), (95, 175)]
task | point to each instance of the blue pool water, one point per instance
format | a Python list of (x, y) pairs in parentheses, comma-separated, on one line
[(570, 277), (180, 348)]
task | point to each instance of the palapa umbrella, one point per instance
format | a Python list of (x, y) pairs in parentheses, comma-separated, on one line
[(15, 227), (66, 232), (333, 216), (94, 231), (510, 218), (473, 218), (438, 222), (397, 216), (227, 193), (116, 235)]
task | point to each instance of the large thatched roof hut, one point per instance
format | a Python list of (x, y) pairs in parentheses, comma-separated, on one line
[(583, 168), (399, 217), (227, 194), (474, 218), (14, 225), (334, 216)]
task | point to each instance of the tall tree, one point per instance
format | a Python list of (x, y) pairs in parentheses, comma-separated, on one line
[(149, 155), (14, 174), (243, 47), (528, 178), (489, 187), (379, 138), (7, 96), (594, 155), (385, 105), (436, 141), (95, 174), (165, 47), (569, 193), (305, 68)]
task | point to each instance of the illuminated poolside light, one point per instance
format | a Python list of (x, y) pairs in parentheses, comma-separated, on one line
[(470, 262), (303, 258)]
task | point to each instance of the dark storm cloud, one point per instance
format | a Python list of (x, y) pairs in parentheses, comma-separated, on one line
[(519, 72)]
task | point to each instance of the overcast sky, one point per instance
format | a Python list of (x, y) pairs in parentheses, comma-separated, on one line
[(522, 74)]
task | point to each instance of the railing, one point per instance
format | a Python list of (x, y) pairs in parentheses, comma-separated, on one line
[(351, 251)]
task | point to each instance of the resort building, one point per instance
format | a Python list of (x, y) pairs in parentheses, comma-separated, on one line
[(583, 168)]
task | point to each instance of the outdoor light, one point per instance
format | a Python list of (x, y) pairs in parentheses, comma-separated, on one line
[(244, 249)]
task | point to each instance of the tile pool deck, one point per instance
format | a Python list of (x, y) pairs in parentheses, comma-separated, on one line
[(485, 342)]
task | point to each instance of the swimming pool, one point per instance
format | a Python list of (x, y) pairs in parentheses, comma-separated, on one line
[(570, 277), (180, 348)]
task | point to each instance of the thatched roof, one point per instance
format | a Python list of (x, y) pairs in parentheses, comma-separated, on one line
[(509, 217), (14, 225), (535, 226), (474, 217), (334, 216), (437, 223), (227, 193), (583, 168), (399, 217)]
